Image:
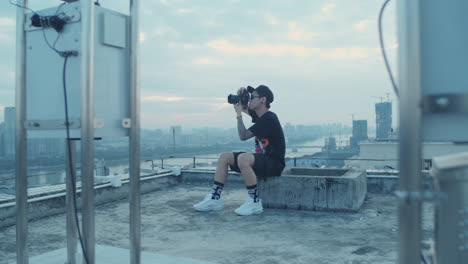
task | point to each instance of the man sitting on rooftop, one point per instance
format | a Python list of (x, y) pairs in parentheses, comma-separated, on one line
[(268, 159)]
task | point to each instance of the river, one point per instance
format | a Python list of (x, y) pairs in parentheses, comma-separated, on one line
[(47, 176)]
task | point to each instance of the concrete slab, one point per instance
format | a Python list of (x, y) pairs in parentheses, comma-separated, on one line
[(171, 228), (315, 189), (113, 255)]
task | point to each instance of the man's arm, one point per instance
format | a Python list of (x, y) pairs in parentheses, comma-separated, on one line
[(244, 133)]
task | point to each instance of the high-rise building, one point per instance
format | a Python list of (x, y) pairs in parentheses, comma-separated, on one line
[(359, 132), (2, 140), (383, 119), (9, 132)]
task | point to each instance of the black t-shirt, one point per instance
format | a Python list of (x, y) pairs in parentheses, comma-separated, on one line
[(269, 137)]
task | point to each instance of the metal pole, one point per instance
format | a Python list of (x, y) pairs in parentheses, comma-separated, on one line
[(162, 163), (409, 193), (72, 235), (135, 212), (87, 127), (22, 256), (194, 162), (294, 162)]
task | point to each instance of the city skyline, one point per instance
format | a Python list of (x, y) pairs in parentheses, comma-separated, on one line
[(321, 58)]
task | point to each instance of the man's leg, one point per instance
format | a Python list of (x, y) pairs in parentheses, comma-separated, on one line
[(213, 201), (253, 205), (245, 161), (225, 159)]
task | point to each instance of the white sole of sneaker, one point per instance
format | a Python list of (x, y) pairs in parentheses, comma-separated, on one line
[(253, 213), (208, 209)]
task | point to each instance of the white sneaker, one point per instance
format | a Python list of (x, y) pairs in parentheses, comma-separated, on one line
[(209, 204), (249, 207)]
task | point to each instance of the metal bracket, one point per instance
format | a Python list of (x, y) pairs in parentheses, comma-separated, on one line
[(445, 103), (126, 123), (98, 123), (51, 124)]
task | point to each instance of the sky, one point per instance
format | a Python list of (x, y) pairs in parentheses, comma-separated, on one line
[(321, 58)]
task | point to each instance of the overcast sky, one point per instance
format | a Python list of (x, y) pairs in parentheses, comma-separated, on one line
[(320, 58)]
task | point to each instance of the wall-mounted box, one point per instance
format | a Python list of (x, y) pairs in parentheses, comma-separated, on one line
[(44, 74)]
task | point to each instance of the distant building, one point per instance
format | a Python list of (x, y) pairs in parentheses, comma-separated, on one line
[(176, 133), (383, 119), (9, 132), (359, 133), (46, 147), (289, 131), (2, 141)]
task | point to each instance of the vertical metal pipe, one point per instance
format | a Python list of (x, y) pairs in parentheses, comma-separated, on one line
[(72, 234), (22, 256), (409, 66), (194, 162), (135, 217), (87, 126)]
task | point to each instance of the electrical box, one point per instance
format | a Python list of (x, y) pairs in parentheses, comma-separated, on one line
[(444, 70), (45, 79)]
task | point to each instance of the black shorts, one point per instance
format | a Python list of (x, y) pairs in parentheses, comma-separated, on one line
[(264, 166)]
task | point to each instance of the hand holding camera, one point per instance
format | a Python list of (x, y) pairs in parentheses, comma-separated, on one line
[(241, 98)]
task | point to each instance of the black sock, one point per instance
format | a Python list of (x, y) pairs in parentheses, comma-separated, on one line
[(253, 192), (217, 190)]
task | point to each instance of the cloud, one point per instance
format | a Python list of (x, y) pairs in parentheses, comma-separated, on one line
[(165, 30), (6, 29), (206, 61), (185, 11), (164, 2), (6, 22), (225, 46), (287, 50), (160, 98), (173, 98), (193, 119), (7, 74), (270, 19), (5, 37), (214, 103), (297, 34), (362, 25), (179, 45), (327, 7), (346, 53)]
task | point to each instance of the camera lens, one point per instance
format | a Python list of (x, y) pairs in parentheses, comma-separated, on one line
[(233, 99)]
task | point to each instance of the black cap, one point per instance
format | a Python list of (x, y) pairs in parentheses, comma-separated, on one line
[(263, 91)]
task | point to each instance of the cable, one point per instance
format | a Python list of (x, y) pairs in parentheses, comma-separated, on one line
[(65, 54), (15, 4), (382, 47), (70, 165), (58, 34)]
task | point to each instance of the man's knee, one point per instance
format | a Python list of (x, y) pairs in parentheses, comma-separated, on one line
[(226, 158), (245, 160)]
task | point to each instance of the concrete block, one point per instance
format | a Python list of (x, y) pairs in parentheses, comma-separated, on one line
[(315, 189)]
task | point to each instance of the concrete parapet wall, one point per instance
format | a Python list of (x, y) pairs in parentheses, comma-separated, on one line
[(315, 189), (53, 204), (199, 176)]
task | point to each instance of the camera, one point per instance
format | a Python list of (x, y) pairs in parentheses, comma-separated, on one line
[(243, 98)]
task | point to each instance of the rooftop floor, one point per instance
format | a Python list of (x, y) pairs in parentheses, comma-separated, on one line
[(172, 230)]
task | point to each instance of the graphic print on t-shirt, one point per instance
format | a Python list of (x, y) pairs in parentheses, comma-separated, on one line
[(261, 148)]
